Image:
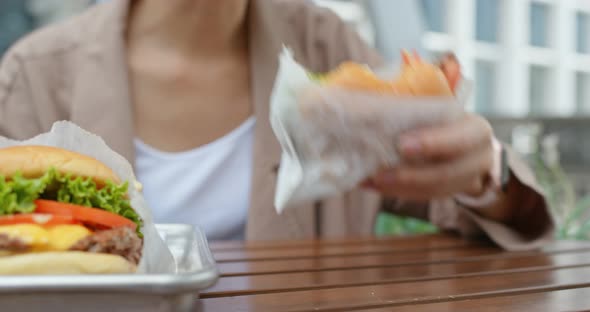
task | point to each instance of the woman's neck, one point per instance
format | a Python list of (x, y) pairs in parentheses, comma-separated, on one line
[(195, 27)]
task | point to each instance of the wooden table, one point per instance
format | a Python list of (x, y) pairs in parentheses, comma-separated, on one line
[(421, 273)]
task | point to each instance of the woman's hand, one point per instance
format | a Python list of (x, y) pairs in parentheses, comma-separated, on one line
[(440, 161)]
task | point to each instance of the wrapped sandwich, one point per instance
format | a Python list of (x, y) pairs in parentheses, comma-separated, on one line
[(338, 128)]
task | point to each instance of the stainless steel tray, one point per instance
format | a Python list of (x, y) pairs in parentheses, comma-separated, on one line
[(195, 266)]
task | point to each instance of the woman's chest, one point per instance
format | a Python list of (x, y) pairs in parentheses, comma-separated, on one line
[(190, 108), (192, 186)]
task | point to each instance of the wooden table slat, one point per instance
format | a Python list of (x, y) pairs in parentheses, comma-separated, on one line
[(390, 295), (221, 246), (339, 250), (351, 262), (374, 260), (577, 299), (416, 273), (244, 285), (394, 246)]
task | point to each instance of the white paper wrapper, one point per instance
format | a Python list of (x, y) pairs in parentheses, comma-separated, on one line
[(156, 256), (332, 139)]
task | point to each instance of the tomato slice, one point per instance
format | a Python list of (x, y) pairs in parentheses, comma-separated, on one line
[(36, 218), (452, 70), (407, 59), (416, 56), (83, 214)]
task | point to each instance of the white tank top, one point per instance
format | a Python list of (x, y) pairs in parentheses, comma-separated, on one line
[(208, 186)]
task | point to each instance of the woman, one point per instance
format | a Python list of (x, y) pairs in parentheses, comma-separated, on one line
[(181, 89)]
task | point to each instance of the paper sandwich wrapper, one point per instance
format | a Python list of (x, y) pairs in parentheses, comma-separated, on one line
[(156, 258), (332, 139)]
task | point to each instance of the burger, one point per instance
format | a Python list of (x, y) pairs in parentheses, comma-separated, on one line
[(64, 213)]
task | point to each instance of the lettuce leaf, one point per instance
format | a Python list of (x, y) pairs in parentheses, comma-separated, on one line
[(18, 194)]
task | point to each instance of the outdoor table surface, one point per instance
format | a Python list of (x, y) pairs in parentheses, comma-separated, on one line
[(413, 273)]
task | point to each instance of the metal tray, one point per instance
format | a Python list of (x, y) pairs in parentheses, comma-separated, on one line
[(196, 270)]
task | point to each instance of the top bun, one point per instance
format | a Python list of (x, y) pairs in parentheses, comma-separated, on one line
[(418, 78), (425, 80), (358, 77), (33, 161)]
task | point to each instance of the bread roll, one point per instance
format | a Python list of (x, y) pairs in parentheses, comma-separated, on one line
[(34, 161), (64, 263), (416, 78)]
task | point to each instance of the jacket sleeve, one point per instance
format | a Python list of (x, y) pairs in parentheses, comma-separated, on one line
[(17, 112), (325, 40), (529, 226), (33, 88)]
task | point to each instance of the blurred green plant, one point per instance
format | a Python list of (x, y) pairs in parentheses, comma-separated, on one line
[(391, 224), (570, 211)]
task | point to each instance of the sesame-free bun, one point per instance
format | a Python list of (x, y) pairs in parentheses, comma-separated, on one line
[(32, 161), (417, 78), (64, 263)]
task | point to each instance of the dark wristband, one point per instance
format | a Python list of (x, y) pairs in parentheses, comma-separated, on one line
[(505, 170)]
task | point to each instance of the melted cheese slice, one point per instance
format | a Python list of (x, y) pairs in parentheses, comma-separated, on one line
[(54, 238), (62, 237)]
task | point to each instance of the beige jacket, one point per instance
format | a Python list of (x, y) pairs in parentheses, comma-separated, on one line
[(76, 70)]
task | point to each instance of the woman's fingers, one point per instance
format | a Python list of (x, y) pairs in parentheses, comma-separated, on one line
[(428, 181), (448, 141)]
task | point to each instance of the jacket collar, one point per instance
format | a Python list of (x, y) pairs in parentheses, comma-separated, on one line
[(267, 34), (102, 84)]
